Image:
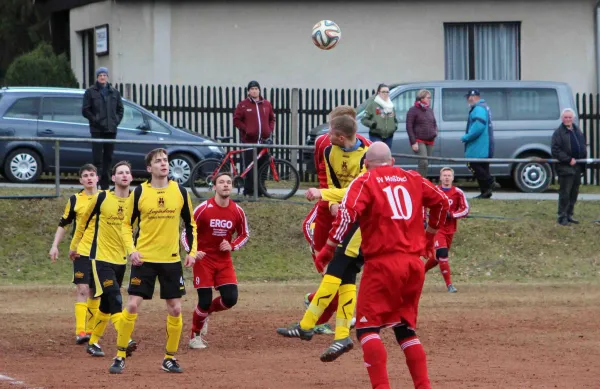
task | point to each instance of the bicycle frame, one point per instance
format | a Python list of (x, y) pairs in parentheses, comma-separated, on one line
[(229, 158)]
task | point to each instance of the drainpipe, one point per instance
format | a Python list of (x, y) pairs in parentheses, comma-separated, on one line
[(597, 14)]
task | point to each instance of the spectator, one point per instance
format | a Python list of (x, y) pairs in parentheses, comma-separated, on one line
[(255, 119), (568, 145), (422, 128), (380, 117), (479, 142), (103, 108)]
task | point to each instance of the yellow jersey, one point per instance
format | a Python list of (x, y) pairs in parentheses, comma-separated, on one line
[(157, 211), (342, 167), (74, 210), (108, 211)]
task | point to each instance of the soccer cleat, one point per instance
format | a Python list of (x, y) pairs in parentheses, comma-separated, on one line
[(306, 300), (197, 341), (452, 289), (131, 347), (117, 366), (296, 332), (204, 329), (170, 365), (95, 350), (82, 338), (337, 348), (324, 329)]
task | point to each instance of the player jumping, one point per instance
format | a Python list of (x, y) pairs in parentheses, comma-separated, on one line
[(85, 303), (217, 219), (459, 208), (385, 202)]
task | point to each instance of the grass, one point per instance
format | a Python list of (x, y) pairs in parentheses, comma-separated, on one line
[(502, 241)]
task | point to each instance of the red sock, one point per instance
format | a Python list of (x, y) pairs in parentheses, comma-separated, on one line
[(217, 305), (416, 360), (329, 311), (445, 270), (431, 263), (198, 320), (375, 358)]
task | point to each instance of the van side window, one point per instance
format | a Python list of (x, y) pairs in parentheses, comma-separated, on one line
[(62, 109), (456, 109), (405, 100), (26, 108), (533, 104), (132, 118)]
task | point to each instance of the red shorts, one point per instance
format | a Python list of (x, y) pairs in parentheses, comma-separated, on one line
[(390, 291), (212, 273), (321, 218), (442, 240)]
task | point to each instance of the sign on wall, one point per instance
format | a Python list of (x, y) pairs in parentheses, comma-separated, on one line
[(102, 40)]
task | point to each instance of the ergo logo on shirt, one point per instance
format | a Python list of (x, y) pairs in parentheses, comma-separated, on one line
[(221, 223)]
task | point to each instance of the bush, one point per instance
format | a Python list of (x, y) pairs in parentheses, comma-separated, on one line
[(41, 67)]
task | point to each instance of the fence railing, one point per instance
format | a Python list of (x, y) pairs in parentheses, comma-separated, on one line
[(588, 110)]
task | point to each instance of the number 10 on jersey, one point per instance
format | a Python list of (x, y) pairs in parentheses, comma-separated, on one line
[(400, 202)]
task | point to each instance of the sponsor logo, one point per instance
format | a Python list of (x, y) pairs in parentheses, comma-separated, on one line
[(161, 202), (107, 283), (182, 288), (221, 223), (363, 320), (78, 274), (174, 254), (135, 281)]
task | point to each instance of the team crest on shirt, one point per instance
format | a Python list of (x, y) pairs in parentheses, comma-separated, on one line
[(120, 211), (161, 202), (344, 166)]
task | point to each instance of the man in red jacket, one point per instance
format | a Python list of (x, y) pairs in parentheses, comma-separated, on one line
[(255, 119)]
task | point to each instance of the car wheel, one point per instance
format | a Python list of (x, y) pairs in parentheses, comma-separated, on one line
[(23, 166), (180, 168), (532, 177)]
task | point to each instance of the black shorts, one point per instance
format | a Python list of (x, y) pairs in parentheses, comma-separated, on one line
[(107, 276), (170, 279), (82, 271)]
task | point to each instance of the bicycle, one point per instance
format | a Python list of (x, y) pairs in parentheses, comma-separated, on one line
[(277, 179)]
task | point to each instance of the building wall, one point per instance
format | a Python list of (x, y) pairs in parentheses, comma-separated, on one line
[(225, 44)]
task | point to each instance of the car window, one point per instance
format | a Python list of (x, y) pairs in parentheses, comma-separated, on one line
[(157, 126), (533, 104), (405, 100), (25, 108), (63, 109), (132, 117), (456, 109)]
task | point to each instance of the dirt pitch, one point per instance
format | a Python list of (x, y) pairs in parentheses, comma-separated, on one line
[(486, 336)]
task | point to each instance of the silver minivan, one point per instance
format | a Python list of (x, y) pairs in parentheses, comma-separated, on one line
[(524, 113)]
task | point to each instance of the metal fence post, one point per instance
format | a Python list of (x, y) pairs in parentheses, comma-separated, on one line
[(57, 167), (127, 91), (295, 127), (255, 173)]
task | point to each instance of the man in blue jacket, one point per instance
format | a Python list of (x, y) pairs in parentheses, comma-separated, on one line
[(479, 142)]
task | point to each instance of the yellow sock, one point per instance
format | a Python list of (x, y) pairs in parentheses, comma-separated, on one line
[(114, 318), (345, 311), (80, 312), (100, 321), (174, 327), (92, 308), (326, 292), (124, 330)]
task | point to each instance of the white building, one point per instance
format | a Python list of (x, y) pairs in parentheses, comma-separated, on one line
[(230, 43)]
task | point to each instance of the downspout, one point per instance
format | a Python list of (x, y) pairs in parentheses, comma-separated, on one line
[(597, 14)]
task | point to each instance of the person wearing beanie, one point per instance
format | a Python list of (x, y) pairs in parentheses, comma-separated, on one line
[(103, 108), (255, 119)]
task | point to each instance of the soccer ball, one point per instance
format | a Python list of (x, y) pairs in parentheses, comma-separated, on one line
[(326, 34)]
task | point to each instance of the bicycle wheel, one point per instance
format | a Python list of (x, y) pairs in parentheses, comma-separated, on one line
[(201, 180), (278, 179)]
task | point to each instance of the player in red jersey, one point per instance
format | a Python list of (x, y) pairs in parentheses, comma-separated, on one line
[(318, 222), (386, 201), (217, 219), (459, 208)]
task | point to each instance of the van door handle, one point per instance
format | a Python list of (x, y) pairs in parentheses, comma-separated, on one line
[(48, 132)]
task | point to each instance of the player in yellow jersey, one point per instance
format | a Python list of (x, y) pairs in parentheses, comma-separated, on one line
[(85, 304), (157, 205), (344, 162), (107, 253)]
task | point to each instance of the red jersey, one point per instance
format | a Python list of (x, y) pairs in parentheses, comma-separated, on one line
[(459, 208), (215, 224), (387, 202), (320, 144)]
